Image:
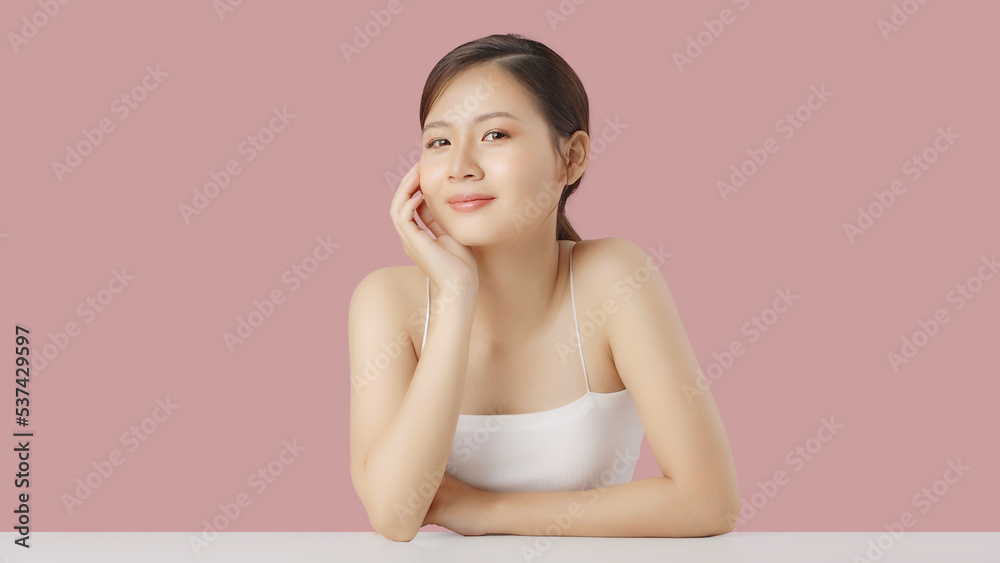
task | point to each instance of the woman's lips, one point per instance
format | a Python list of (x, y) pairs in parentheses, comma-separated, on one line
[(473, 205)]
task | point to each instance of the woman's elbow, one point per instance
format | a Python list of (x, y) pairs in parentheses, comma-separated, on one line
[(387, 521), (718, 522), (392, 528), (720, 525), (714, 513), (392, 520)]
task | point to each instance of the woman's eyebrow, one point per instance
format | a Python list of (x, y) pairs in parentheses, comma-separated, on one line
[(479, 119)]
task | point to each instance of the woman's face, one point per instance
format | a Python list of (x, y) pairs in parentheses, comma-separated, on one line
[(509, 158)]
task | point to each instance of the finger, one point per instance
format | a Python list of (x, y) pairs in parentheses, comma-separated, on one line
[(404, 215), (428, 218), (456, 248), (403, 222), (407, 185), (402, 195), (408, 225)]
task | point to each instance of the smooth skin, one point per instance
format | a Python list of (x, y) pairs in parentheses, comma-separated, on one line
[(499, 286)]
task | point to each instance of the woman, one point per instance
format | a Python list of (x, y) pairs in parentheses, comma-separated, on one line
[(508, 419)]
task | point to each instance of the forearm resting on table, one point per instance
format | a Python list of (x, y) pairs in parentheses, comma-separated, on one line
[(412, 450), (654, 507)]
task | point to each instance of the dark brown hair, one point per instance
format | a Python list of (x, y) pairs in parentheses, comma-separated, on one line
[(552, 84)]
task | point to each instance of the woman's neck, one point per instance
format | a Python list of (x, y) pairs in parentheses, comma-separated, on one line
[(517, 287)]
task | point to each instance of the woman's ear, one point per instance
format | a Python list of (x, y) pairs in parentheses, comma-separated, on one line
[(577, 153)]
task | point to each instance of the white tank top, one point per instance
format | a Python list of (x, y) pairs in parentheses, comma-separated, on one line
[(589, 443)]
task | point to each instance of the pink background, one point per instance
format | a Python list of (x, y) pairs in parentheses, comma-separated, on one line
[(324, 175)]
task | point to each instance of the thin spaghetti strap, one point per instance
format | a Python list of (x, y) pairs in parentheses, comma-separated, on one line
[(572, 298), (428, 319)]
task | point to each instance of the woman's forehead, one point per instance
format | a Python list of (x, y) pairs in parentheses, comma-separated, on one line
[(481, 90)]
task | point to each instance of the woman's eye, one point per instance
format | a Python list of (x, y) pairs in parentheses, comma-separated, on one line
[(431, 144)]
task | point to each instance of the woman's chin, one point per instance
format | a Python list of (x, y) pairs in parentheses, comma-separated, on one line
[(472, 237)]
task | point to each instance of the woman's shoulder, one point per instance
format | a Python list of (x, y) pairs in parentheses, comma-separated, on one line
[(390, 283), (610, 257), (390, 291), (610, 278), (605, 245), (393, 292), (613, 268)]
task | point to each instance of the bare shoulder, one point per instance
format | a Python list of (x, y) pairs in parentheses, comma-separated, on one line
[(610, 260), (613, 271), (376, 286), (392, 296), (390, 281)]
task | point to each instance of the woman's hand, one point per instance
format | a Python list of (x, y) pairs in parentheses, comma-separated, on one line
[(441, 260), (460, 508)]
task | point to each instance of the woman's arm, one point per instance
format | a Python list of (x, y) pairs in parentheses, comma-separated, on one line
[(698, 494), (403, 412), (654, 507)]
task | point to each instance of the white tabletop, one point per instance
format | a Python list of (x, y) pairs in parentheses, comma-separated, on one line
[(246, 547)]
